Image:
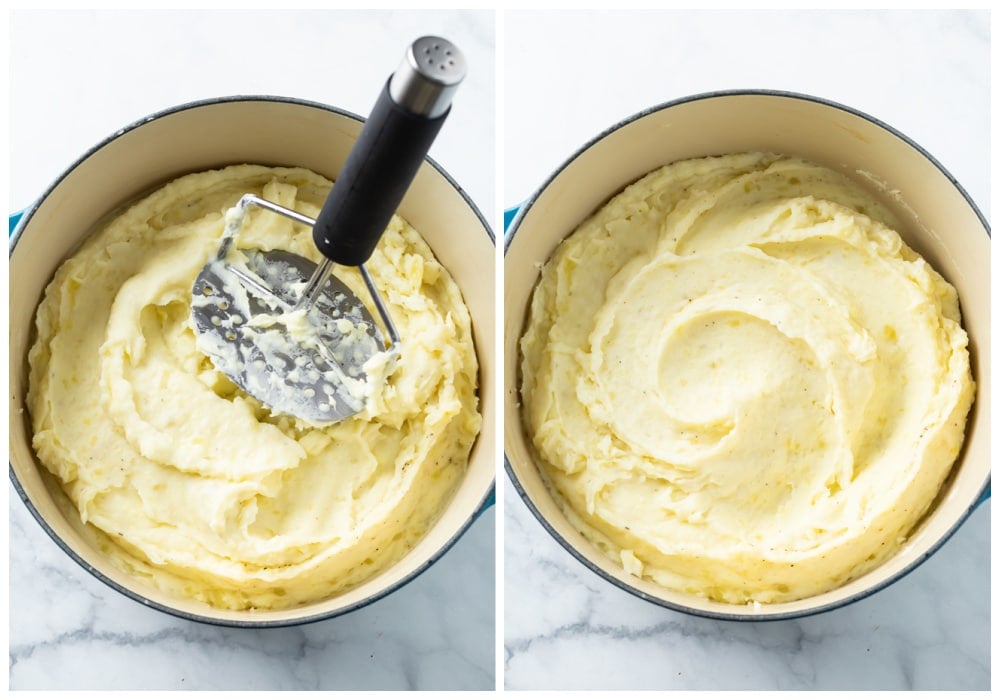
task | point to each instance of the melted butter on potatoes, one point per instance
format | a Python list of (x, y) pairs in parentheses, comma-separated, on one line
[(186, 481), (740, 382)]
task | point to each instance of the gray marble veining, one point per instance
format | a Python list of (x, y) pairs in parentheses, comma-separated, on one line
[(928, 631), (70, 631)]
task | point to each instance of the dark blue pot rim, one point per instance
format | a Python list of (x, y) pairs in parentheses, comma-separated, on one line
[(21, 220), (512, 220)]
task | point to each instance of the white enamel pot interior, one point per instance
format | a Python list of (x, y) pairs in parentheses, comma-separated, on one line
[(210, 134), (940, 222)]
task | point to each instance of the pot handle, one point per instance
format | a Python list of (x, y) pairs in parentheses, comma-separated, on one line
[(984, 496), (15, 219), (491, 500), (508, 216)]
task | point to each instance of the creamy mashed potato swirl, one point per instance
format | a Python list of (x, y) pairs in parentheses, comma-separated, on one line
[(740, 382), (186, 481)]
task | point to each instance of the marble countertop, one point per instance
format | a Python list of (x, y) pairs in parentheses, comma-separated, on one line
[(566, 78), (77, 77)]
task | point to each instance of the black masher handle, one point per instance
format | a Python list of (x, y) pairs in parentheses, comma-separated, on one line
[(380, 167)]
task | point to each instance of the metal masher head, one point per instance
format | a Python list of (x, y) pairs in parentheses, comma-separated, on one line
[(299, 352)]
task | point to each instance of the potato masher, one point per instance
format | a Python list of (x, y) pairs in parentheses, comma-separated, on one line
[(286, 330)]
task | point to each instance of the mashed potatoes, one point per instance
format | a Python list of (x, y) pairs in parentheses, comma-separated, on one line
[(185, 480), (741, 383)]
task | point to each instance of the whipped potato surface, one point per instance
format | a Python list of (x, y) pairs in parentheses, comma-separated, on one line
[(740, 382), (186, 481)]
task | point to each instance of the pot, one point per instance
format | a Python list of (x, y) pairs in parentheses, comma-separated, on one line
[(200, 136), (940, 222)]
